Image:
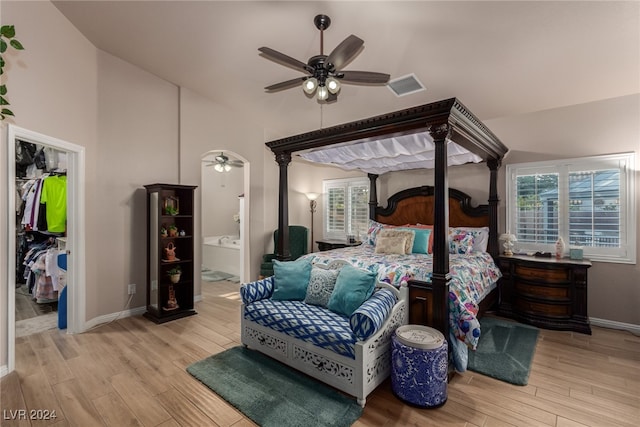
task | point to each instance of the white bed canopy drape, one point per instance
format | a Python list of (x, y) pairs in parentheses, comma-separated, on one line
[(404, 152)]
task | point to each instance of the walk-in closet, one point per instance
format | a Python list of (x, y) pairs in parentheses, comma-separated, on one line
[(41, 225)]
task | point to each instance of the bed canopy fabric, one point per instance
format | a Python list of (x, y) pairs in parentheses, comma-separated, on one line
[(402, 152), (447, 127)]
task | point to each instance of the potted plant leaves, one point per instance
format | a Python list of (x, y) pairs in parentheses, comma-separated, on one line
[(173, 230), (174, 274)]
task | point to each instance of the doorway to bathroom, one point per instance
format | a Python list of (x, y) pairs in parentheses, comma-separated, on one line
[(225, 216)]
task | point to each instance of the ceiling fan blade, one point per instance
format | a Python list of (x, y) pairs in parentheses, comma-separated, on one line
[(363, 77), (285, 85), (283, 59), (345, 52)]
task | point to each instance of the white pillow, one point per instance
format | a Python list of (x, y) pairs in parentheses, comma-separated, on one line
[(480, 236)]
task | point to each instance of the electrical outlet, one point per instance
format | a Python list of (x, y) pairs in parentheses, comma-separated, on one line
[(132, 288)]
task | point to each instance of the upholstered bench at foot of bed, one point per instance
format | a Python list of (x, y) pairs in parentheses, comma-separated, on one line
[(321, 343)]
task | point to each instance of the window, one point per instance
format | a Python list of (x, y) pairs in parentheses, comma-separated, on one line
[(346, 208), (589, 202)]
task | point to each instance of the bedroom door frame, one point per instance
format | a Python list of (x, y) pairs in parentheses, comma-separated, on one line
[(76, 272)]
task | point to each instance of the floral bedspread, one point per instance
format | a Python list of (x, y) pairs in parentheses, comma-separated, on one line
[(472, 277)]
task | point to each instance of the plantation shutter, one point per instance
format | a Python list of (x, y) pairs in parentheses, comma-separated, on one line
[(346, 208)]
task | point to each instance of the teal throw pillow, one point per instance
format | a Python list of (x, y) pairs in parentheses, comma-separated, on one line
[(421, 240), (353, 287), (291, 279)]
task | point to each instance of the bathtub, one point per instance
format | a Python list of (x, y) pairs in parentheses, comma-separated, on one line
[(222, 253)]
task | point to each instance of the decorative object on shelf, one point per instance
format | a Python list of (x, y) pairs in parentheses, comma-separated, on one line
[(182, 233), (325, 73), (174, 274), (173, 230), (508, 244), (559, 248), (172, 302), (313, 203), (170, 252), (576, 252), (163, 232), (171, 206), (7, 34)]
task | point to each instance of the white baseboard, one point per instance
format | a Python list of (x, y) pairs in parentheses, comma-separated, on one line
[(4, 370), (197, 298), (611, 324), (113, 316)]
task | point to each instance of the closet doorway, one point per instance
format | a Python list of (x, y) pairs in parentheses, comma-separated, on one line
[(224, 192), (74, 243)]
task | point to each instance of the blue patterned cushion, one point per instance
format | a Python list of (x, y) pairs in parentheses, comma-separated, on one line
[(254, 291), (370, 316), (310, 323), (321, 286), (291, 279), (353, 287)]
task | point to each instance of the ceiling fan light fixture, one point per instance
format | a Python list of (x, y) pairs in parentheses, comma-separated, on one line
[(219, 167), (227, 168), (309, 86), (333, 85), (323, 93)]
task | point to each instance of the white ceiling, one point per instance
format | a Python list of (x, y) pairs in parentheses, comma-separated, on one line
[(499, 58)]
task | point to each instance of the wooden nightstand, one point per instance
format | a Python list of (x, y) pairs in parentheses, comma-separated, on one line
[(546, 292), (325, 245)]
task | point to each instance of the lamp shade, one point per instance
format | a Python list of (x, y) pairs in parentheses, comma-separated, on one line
[(312, 196), (323, 93), (508, 237), (333, 85), (310, 85)]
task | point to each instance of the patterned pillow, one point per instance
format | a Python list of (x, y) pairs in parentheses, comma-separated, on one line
[(255, 291), (460, 242), (480, 236), (374, 229), (321, 286), (370, 316), (390, 245), (409, 235)]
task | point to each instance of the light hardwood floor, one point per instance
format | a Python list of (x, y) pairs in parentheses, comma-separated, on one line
[(132, 373)]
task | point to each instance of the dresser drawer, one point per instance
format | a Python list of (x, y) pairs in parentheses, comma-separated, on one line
[(555, 293), (554, 275), (543, 309)]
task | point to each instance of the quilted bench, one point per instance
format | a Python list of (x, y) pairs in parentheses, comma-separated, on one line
[(351, 352)]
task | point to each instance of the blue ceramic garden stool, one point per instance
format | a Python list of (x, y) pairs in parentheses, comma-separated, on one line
[(419, 365)]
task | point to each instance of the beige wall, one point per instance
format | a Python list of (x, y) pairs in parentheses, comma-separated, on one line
[(53, 89), (604, 127)]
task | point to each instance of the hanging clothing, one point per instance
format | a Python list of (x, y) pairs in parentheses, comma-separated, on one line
[(54, 196)]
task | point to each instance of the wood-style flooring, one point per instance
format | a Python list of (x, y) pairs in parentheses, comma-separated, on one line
[(132, 373)]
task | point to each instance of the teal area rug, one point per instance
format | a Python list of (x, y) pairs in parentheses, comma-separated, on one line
[(272, 394), (505, 350), (216, 276)]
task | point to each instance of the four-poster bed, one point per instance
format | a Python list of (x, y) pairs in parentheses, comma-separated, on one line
[(413, 138)]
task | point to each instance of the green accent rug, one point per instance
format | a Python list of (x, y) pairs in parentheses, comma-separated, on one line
[(272, 394), (505, 350)]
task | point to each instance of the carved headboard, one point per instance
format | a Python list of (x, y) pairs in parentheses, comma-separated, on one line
[(415, 206)]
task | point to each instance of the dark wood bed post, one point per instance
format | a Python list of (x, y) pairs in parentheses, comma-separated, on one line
[(373, 195), (440, 275), (494, 201), (283, 253)]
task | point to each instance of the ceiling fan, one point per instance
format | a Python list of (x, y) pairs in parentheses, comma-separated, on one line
[(325, 72), (222, 163)]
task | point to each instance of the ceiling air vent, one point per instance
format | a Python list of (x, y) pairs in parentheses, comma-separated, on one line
[(405, 85)]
